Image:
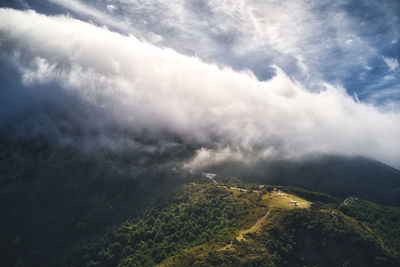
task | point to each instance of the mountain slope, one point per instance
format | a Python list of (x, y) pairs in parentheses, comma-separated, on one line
[(335, 175), (215, 224), (60, 206), (48, 192), (383, 220)]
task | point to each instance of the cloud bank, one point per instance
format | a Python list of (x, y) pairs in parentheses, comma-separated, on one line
[(83, 84), (344, 42)]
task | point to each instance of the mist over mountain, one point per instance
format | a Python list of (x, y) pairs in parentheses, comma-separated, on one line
[(75, 83), (111, 113), (334, 175)]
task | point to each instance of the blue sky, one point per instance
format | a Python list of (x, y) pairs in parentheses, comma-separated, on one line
[(352, 43), (239, 79)]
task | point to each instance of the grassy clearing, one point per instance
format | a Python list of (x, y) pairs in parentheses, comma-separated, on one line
[(281, 229), (272, 201), (282, 200)]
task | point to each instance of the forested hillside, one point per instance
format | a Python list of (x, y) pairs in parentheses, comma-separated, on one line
[(60, 207), (338, 176), (215, 224)]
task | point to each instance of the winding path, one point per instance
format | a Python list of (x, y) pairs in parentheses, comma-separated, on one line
[(254, 228)]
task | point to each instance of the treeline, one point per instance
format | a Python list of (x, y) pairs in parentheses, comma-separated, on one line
[(54, 197), (308, 195), (199, 214), (299, 237), (383, 220)]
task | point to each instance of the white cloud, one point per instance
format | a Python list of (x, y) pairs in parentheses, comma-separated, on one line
[(233, 114), (312, 41), (392, 63), (111, 8), (93, 13), (349, 41)]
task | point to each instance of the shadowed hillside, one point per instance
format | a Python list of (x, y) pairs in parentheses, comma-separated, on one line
[(334, 175), (60, 206)]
